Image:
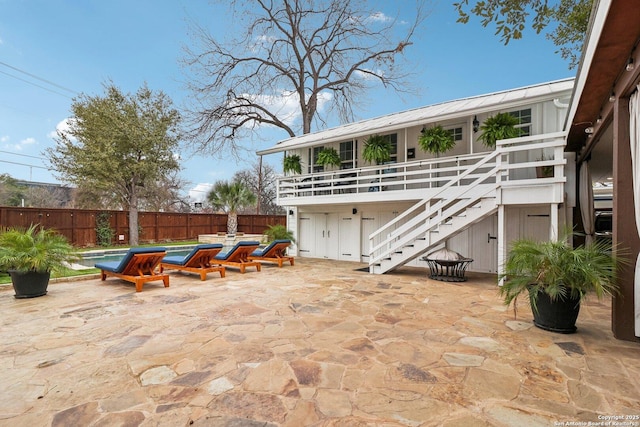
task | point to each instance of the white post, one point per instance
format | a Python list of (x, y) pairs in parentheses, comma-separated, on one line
[(502, 241), (554, 227)]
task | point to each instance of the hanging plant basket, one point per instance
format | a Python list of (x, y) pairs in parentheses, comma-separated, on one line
[(436, 140), (328, 157), (291, 163), (500, 126), (377, 149)]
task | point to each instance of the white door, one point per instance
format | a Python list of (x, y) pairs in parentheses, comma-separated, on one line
[(306, 235), (318, 236), (349, 243), (484, 245), (331, 249), (536, 223), (368, 225)]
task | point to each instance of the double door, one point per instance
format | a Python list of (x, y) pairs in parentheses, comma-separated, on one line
[(328, 235)]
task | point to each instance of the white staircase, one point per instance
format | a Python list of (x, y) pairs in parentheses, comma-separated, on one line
[(464, 200), (454, 208)]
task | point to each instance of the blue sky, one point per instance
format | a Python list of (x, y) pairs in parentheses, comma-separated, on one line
[(77, 45)]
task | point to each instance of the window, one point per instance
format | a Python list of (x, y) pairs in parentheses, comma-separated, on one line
[(314, 159), (456, 133), (393, 139), (524, 121), (346, 155)]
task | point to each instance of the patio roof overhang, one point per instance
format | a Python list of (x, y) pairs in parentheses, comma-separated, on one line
[(434, 113), (613, 35)]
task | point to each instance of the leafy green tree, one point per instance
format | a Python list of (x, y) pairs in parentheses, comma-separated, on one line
[(11, 193), (118, 144), (511, 17), (230, 198)]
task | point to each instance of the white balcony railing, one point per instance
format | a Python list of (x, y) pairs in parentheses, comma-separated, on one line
[(522, 157)]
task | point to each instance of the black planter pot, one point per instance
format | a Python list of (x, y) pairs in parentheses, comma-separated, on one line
[(29, 284), (559, 315)]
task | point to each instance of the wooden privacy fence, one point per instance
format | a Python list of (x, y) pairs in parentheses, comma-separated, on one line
[(79, 225)]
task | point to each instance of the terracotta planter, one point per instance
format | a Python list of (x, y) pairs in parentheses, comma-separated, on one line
[(29, 284), (559, 315)]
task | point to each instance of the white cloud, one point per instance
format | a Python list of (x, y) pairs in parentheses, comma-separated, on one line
[(63, 127), (285, 105), (20, 146), (369, 74), (379, 17), (4, 138), (199, 192)]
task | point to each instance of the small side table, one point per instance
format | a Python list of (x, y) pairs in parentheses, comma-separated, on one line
[(447, 270)]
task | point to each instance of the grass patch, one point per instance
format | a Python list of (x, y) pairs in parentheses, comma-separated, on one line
[(5, 278)]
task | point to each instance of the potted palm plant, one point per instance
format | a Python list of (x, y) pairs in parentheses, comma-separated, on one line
[(436, 140), (557, 277), (292, 164), (328, 157), (500, 126), (29, 256), (278, 232), (377, 149)]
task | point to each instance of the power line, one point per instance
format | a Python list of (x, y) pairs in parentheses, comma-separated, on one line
[(23, 155), (37, 85), (38, 78), (25, 164)]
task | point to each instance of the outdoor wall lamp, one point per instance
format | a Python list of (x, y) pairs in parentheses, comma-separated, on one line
[(354, 211), (476, 124), (290, 211)]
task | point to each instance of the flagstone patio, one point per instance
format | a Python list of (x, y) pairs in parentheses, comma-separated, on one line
[(315, 344)]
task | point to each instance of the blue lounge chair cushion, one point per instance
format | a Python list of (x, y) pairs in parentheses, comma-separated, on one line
[(184, 260), (223, 256), (119, 266), (263, 252)]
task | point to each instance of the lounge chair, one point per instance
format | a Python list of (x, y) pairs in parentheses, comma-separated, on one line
[(238, 256), (138, 266), (197, 261), (275, 252)]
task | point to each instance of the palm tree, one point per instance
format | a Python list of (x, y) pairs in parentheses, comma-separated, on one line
[(230, 197)]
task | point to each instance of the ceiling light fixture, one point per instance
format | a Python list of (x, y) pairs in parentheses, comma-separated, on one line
[(630, 65), (612, 97)]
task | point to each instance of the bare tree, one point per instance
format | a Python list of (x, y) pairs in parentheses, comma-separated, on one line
[(296, 60), (163, 195), (265, 187)]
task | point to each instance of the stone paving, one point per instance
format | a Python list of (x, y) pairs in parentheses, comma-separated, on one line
[(315, 344)]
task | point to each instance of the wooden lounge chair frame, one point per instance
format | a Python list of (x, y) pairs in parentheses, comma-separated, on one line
[(274, 253), (140, 268), (199, 262), (238, 256)]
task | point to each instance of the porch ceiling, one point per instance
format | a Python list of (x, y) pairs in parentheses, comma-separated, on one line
[(606, 67)]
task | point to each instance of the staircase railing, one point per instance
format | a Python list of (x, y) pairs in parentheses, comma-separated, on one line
[(495, 169)]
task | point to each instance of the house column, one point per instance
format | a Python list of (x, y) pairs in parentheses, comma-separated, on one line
[(625, 233), (553, 223), (292, 225), (502, 241)]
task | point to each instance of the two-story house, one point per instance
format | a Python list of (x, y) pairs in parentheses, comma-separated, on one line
[(471, 199)]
